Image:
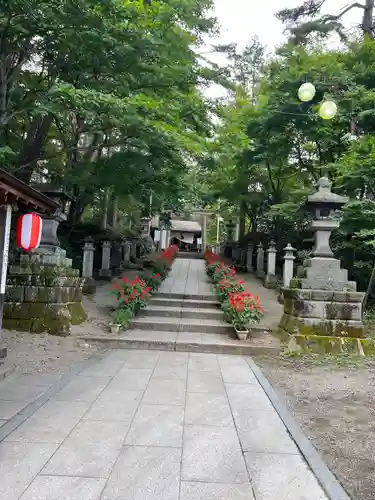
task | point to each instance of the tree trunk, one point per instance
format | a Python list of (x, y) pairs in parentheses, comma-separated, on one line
[(367, 20), (32, 147), (104, 223), (243, 211)]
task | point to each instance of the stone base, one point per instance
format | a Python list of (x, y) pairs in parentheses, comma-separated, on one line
[(38, 317), (89, 286), (260, 274), (325, 327), (331, 345), (105, 274), (323, 312), (42, 298), (270, 281)]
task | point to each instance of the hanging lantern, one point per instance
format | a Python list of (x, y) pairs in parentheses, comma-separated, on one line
[(306, 92), (29, 231), (328, 110)]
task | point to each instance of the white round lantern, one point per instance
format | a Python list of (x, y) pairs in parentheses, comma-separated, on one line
[(306, 92), (29, 231), (328, 110)]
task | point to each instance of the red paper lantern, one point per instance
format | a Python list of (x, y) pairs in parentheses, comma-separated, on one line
[(29, 231)]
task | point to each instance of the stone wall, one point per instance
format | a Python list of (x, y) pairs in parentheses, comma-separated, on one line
[(43, 298)]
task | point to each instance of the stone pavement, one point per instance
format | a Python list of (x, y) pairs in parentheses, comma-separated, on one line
[(150, 425), (185, 316), (188, 277)]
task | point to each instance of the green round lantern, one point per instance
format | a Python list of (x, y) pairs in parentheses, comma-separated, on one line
[(328, 110), (306, 92)]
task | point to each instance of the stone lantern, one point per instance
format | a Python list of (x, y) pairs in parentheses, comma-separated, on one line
[(49, 248), (324, 204), (44, 285), (323, 302), (230, 231)]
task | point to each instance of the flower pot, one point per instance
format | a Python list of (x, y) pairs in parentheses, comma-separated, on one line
[(241, 334), (115, 328)]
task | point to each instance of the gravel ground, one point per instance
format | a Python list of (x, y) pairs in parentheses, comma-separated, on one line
[(334, 402), (44, 353)]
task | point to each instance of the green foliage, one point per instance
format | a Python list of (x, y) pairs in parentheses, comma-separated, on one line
[(267, 155), (102, 96)]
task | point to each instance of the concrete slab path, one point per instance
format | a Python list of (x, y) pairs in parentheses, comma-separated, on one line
[(149, 425)]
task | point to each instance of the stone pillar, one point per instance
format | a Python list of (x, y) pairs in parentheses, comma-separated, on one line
[(288, 264), (271, 281), (133, 249), (260, 262), (88, 267), (163, 239), (88, 259), (204, 233), (249, 257), (127, 249), (105, 271)]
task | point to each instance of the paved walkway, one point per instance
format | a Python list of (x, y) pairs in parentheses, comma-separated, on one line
[(149, 425), (188, 276), (142, 425)]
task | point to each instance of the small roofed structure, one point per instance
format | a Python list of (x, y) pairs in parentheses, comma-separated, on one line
[(16, 195), (186, 234)]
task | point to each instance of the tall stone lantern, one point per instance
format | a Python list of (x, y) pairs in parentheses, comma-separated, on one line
[(49, 248), (44, 286), (323, 205), (230, 244), (323, 302)]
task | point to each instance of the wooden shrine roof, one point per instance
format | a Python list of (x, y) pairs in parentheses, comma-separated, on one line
[(15, 192)]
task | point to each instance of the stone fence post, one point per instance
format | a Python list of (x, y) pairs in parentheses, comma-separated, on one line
[(288, 264), (249, 257), (260, 261), (270, 281), (105, 271), (127, 248), (88, 267)]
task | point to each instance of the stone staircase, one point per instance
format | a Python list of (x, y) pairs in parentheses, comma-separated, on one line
[(189, 255), (201, 315), (187, 323)]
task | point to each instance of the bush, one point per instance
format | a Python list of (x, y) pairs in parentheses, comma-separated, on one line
[(133, 295), (240, 307)]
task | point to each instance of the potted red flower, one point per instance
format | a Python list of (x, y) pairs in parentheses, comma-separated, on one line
[(245, 311)]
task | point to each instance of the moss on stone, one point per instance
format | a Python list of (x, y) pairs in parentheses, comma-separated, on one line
[(20, 311), (14, 293), (295, 283), (77, 313), (293, 324), (368, 346), (331, 310), (60, 326), (21, 325), (36, 309)]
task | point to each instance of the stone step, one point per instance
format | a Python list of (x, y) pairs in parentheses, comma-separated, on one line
[(218, 344), (182, 312), (183, 296), (198, 304), (189, 255), (182, 325)]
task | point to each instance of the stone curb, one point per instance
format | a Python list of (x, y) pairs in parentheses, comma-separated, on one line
[(326, 479), (178, 346), (20, 417)]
